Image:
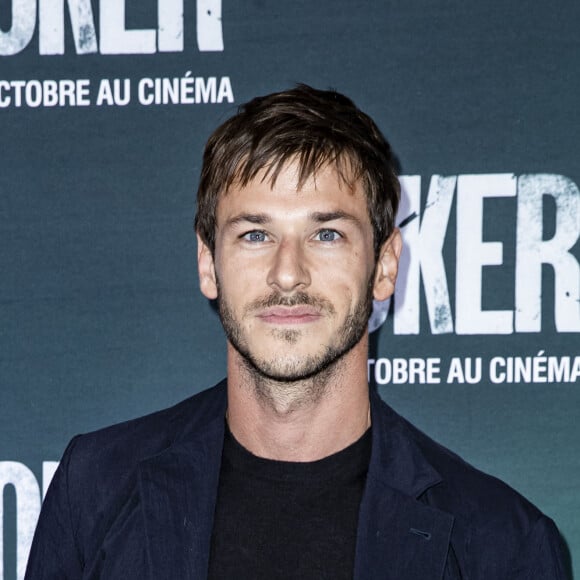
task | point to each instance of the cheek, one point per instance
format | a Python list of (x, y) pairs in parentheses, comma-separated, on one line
[(236, 284), (348, 276)]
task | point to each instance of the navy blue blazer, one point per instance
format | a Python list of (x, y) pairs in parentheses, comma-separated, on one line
[(136, 500)]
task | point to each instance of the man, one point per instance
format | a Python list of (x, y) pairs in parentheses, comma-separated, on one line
[(290, 468)]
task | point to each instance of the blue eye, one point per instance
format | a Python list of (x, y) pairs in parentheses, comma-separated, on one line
[(255, 236), (328, 235)]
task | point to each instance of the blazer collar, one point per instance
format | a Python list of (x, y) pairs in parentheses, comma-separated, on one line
[(396, 460), (178, 488), (399, 536)]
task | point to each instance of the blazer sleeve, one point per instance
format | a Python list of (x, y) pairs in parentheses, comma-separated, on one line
[(542, 555), (54, 553)]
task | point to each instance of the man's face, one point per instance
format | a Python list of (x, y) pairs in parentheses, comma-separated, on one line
[(293, 271)]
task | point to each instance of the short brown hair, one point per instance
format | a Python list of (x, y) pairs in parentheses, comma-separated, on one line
[(316, 128)]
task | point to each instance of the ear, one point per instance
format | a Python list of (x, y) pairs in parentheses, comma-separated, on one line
[(387, 266), (206, 270)]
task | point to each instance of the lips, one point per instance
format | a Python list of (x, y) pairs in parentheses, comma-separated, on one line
[(289, 315)]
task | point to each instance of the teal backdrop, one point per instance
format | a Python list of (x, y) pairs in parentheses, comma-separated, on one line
[(104, 110)]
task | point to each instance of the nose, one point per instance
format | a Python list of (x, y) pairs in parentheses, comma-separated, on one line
[(289, 270)]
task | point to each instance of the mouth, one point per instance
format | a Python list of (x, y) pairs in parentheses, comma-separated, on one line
[(284, 315)]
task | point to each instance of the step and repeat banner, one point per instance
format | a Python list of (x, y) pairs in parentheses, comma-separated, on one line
[(105, 106)]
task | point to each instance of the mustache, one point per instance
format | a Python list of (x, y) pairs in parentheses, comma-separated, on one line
[(299, 298)]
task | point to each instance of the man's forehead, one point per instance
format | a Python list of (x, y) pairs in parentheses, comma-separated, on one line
[(341, 170)]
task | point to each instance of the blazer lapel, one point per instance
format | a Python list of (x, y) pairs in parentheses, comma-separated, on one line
[(178, 489), (398, 535)]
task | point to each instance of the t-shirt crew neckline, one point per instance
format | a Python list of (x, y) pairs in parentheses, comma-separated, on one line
[(344, 465)]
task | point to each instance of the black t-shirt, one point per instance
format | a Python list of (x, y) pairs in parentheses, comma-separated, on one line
[(281, 520)]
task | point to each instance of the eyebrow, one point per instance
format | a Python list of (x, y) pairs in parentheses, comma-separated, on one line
[(330, 216), (316, 216), (253, 218)]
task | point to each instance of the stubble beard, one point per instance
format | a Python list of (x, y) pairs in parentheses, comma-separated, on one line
[(292, 384)]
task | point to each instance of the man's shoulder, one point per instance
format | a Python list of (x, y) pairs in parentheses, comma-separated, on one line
[(132, 441), (461, 488), (465, 482), (495, 528), (98, 484), (487, 511)]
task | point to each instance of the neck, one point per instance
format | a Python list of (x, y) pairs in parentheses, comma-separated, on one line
[(304, 420)]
